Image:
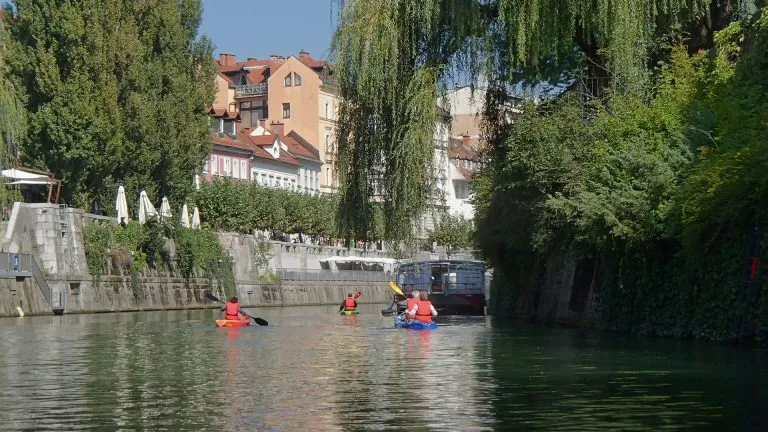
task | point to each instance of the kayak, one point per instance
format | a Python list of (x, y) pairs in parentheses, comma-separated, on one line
[(413, 324), (354, 312), (232, 323)]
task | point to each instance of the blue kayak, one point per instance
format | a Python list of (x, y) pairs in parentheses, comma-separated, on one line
[(413, 324)]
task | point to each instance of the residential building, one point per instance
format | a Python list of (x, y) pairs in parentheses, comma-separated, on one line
[(264, 154), (295, 91)]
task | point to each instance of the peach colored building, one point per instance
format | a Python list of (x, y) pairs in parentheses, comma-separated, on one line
[(297, 92)]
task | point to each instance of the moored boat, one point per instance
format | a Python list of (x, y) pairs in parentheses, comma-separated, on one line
[(233, 323), (455, 287)]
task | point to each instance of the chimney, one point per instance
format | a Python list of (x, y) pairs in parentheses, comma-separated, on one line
[(263, 123), (465, 139), (277, 128), (304, 55), (226, 59)]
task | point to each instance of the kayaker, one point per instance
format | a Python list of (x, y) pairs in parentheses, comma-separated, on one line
[(412, 300), (232, 311), (422, 311), (350, 304), (397, 305)]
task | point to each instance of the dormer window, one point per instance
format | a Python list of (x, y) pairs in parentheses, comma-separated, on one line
[(296, 79), (288, 80)]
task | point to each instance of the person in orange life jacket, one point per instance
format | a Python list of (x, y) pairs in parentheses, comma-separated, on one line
[(349, 304), (422, 311), (232, 310)]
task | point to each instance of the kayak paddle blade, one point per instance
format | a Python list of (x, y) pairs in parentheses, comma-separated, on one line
[(261, 322), (396, 288)]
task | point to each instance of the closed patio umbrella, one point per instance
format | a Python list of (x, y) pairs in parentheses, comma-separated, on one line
[(121, 206), (184, 216), (146, 209), (165, 209), (196, 219)]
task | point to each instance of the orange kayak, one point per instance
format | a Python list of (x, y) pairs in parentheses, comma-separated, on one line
[(232, 323)]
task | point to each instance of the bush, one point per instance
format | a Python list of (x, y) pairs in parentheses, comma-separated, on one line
[(231, 205)]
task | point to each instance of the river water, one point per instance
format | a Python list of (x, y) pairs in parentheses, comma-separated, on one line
[(311, 370)]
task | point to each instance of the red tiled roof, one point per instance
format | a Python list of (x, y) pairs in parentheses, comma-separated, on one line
[(257, 76), (458, 149), (221, 112), (298, 149), (226, 78), (304, 147), (228, 141), (469, 175), (261, 141)]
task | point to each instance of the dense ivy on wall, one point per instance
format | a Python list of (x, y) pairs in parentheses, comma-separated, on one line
[(663, 191), (134, 247)]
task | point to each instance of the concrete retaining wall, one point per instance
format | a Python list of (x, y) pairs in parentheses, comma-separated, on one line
[(53, 235)]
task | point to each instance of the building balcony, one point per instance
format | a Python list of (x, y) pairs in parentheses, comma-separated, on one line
[(251, 90)]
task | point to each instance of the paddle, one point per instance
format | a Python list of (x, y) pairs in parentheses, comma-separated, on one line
[(396, 288), (258, 321), (357, 296)]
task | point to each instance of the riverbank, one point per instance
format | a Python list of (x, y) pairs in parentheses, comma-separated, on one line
[(43, 270)]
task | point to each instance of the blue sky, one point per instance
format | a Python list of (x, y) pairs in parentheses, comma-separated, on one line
[(258, 28)]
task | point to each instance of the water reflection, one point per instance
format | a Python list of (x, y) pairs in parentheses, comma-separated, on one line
[(315, 370)]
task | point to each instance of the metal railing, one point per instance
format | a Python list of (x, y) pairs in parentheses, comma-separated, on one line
[(251, 90), (302, 275)]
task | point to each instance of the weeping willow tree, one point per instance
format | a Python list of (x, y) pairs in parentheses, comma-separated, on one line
[(11, 110), (11, 114), (394, 57)]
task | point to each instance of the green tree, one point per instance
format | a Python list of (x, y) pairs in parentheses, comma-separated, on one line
[(117, 92), (453, 232), (392, 60)]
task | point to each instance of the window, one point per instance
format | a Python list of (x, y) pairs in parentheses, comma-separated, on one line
[(245, 105), (326, 110), (328, 176), (288, 80), (227, 166), (214, 164), (286, 110), (229, 127), (296, 79), (205, 166), (235, 169), (221, 125), (263, 179), (244, 169)]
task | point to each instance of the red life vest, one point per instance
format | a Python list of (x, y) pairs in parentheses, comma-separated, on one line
[(409, 303), (231, 311), (350, 304), (424, 313)]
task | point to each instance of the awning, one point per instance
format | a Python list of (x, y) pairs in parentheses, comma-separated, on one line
[(34, 177)]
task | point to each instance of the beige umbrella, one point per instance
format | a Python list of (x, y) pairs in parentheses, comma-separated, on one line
[(121, 206), (165, 209), (146, 209), (184, 216), (196, 219)]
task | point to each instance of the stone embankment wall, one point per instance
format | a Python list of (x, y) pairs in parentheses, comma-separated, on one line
[(53, 236)]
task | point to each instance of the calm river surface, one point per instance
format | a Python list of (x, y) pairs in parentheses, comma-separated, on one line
[(312, 370)]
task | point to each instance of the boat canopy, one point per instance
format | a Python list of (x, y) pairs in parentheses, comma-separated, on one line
[(358, 263)]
